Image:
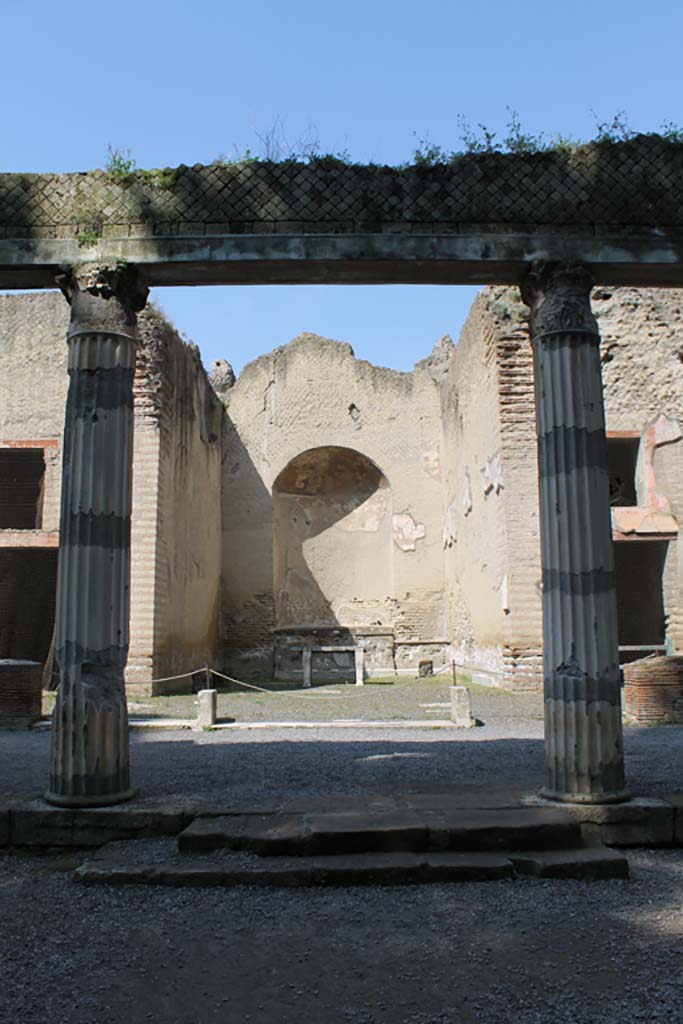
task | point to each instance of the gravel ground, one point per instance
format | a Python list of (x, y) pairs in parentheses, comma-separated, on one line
[(529, 951), (253, 766), (524, 951)]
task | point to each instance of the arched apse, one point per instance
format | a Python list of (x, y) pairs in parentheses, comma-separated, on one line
[(332, 541)]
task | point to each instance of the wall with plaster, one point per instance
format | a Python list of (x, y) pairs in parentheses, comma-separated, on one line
[(175, 561), (176, 510), (366, 557), (335, 498), (478, 491), (34, 381), (642, 358)]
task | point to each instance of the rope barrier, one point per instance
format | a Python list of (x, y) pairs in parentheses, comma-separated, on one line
[(261, 689), (205, 670)]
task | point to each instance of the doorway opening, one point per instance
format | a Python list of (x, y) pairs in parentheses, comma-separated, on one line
[(639, 566)]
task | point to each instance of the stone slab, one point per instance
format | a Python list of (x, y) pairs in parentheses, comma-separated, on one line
[(466, 867), (187, 723), (272, 835), (38, 824), (475, 255), (676, 801), (370, 832), (387, 831), (122, 863), (588, 864), (501, 829), (5, 825), (642, 821)]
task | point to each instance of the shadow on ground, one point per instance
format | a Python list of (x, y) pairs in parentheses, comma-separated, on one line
[(275, 763)]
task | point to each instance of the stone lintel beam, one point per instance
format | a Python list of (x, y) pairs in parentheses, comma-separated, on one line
[(467, 254), (584, 746), (90, 763)]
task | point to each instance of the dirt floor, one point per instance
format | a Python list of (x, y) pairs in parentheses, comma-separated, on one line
[(409, 699)]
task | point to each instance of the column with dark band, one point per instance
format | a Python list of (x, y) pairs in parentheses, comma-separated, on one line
[(583, 730), (90, 763)]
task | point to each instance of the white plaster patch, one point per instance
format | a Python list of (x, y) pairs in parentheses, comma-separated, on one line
[(406, 531), (663, 431), (449, 526), (492, 475), (504, 599), (467, 495)]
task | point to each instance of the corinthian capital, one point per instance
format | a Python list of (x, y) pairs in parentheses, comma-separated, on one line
[(558, 295), (103, 298)]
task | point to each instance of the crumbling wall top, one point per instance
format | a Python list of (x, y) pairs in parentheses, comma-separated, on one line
[(634, 182)]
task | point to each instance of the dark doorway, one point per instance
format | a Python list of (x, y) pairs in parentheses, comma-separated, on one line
[(622, 455), (21, 488), (28, 581), (639, 568)]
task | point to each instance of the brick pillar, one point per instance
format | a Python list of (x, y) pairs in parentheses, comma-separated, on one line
[(583, 733), (90, 764)]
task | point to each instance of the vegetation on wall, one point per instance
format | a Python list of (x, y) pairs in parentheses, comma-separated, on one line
[(273, 146)]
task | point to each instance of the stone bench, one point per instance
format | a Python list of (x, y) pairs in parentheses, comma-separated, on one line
[(307, 653)]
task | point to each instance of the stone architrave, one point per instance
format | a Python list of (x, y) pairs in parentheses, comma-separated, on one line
[(583, 731), (90, 762)]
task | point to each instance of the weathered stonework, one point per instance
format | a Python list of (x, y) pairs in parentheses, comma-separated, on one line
[(175, 569), (332, 508), (90, 720), (454, 449), (584, 746), (597, 182)]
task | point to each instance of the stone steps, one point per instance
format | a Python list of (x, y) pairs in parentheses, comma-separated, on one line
[(134, 862), (409, 831), (360, 847)]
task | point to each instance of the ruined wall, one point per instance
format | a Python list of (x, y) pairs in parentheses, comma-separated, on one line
[(598, 183), (309, 394), (33, 382), (642, 352), (487, 499), (175, 580), (642, 365), (175, 523)]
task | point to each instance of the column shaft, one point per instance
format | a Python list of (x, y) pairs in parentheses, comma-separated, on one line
[(90, 761), (584, 746)]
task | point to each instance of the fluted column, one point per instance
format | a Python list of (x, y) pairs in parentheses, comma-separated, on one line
[(90, 763), (583, 732)]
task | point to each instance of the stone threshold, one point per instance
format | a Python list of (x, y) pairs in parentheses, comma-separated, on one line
[(356, 723)]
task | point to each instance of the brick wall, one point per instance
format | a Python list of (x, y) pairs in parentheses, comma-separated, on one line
[(175, 554), (176, 510), (476, 478), (642, 353)]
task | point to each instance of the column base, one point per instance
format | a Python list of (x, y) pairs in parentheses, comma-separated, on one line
[(105, 800), (584, 798)]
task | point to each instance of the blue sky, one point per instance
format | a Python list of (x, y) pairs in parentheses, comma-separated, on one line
[(183, 83)]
